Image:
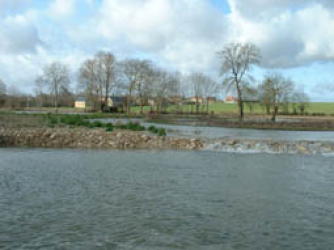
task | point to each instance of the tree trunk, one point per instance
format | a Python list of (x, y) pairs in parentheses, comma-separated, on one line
[(141, 106), (56, 100), (268, 109), (240, 103), (207, 106), (274, 114), (101, 101), (128, 104)]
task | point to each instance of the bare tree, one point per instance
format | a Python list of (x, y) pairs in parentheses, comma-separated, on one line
[(14, 97), (236, 62), (88, 82), (277, 89), (136, 73), (105, 63), (202, 88), (164, 84), (197, 80), (3, 88), (251, 96), (56, 76), (3, 92), (40, 85), (302, 101)]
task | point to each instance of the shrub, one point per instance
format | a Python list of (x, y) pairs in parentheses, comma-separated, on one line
[(153, 129), (53, 120), (109, 129), (109, 125), (82, 123), (161, 132), (98, 124), (90, 125), (319, 114)]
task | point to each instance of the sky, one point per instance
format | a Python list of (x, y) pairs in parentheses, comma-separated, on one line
[(296, 37)]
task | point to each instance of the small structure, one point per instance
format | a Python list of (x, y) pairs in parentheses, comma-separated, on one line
[(151, 102), (80, 103), (195, 99), (108, 103), (230, 100), (211, 99)]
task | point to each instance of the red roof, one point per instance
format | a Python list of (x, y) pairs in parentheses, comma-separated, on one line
[(230, 99)]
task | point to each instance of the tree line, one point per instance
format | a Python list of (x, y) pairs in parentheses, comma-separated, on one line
[(143, 83)]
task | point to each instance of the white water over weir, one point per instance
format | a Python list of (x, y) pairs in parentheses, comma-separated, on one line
[(270, 146)]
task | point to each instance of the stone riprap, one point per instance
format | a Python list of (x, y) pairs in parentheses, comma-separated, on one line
[(90, 139), (99, 139)]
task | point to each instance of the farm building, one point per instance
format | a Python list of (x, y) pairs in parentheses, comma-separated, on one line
[(80, 103)]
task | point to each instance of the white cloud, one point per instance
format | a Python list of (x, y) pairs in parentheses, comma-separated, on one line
[(62, 8), (289, 38), (181, 32)]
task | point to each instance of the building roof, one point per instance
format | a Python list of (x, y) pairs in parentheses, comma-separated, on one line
[(230, 98), (80, 99)]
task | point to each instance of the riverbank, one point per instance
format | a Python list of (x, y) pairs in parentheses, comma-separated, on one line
[(83, 138), (91, 139)]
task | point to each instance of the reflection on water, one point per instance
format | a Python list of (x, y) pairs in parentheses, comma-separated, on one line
[(74, 199)]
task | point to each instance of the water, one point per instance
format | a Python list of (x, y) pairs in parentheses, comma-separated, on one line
[(74, 199), (235, 133)]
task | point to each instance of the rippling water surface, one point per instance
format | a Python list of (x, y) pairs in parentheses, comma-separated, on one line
[(73, 199), (235, 133)]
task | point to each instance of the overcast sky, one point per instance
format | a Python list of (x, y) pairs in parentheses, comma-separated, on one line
[(296, 36)]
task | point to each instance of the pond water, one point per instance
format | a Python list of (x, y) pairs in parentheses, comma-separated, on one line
[(76, 199), (235, 133)]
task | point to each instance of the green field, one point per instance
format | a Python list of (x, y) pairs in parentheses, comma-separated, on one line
[(217, 108), (223, 108)]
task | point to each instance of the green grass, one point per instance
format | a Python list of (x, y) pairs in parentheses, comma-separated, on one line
[(217, 108)]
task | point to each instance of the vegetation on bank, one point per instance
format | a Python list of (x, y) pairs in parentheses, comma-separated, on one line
[(83, 121)]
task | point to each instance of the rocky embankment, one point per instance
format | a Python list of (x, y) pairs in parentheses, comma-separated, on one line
[(99, 139), (91, 139)]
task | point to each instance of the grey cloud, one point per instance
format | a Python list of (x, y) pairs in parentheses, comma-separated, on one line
[(18, 37)]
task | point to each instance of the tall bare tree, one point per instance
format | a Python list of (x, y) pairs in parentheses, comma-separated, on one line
[(14, 97), (3, 92), (105, 63), (197, 80), (202, 87), (164, 86), (136, 73), (88, 82), (209, 90), (57, 77), (40, 86), (236, 62), (3, 88)]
